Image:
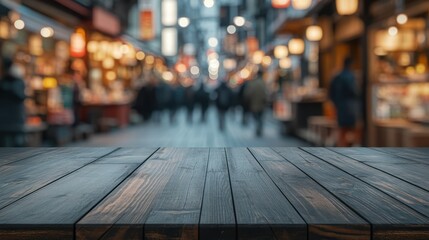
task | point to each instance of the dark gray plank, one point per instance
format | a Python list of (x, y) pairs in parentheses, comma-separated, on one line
[(390, 218), (21, 178), (414, 173), (177, 211), (262, 212), (10, 155), (420, 155), (217, 214), (128, 155), (326, 216), (407, 193), (61, 204), (122, 214), (371, 155)]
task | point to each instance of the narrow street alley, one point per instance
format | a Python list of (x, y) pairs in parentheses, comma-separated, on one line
[(195, 134)]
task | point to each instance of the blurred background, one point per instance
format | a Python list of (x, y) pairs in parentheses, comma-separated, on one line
[(214, 73)]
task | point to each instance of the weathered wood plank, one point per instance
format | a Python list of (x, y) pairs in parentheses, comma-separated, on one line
[(414, 173), (371, 155), (390, 219), (61, 204), (128, 155), (21, 178), (217, 214), (10, 155), (408, 194), (262, 212), (326, 216), (177, 211), (122, 214), (420, 155)]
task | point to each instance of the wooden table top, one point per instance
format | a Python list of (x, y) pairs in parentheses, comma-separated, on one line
[(214, 193)]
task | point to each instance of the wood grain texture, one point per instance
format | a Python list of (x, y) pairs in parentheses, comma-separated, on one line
[(404, 192), (61, 204), (390, 219), (217, 214), (128, 155), (122, 213), (10, 155), (414, 173), (326, 216), (21, 178), (419, 155), (177, 211), (262, 212)]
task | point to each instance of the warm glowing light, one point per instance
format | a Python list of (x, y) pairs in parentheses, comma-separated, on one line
[(49, 83), (280, 3), (214, 63), (285, 63), (229, 64), (280, 51), (150, 60), (213, 42), (379, 51), (296, 46), (231, 29), (402, 19), (244, 73), (110, 75), (314, 33), (47, 32), (168, 76), (257, 57), (266, 61), (184, 22), (195, 70), (301, 4), (393, 31), (209, 3), (181, 68), (108, 63), (125, 49), (19, 24), (420, 68), (239, 21), (347, 7), (92, 46), (140, 55), (78, 43)]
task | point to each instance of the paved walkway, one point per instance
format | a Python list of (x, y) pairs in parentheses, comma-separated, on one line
[(196, 134)]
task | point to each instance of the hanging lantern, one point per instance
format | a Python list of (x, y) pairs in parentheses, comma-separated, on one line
[(280, 51), (347, 7), (296, 46), (78, 43), (280, 3), (314, 33), (302, 4)]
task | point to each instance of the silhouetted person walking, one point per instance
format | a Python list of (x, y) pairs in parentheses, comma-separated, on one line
[(223, 102), (189, 102), (203, 99), (256, 96), (344, 94), (12, 110)]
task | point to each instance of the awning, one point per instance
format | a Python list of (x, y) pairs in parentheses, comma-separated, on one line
[(294, 21), (35, 21)]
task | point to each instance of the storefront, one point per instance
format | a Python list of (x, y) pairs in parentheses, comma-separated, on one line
[(399, 87)]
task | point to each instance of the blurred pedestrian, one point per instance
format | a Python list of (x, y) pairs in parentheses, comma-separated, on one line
[(202, 98), (223, 102), (255, 95), (243, 103), (344, 94), (12, 109), (189, 99), (163, 96), (145, 102)]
